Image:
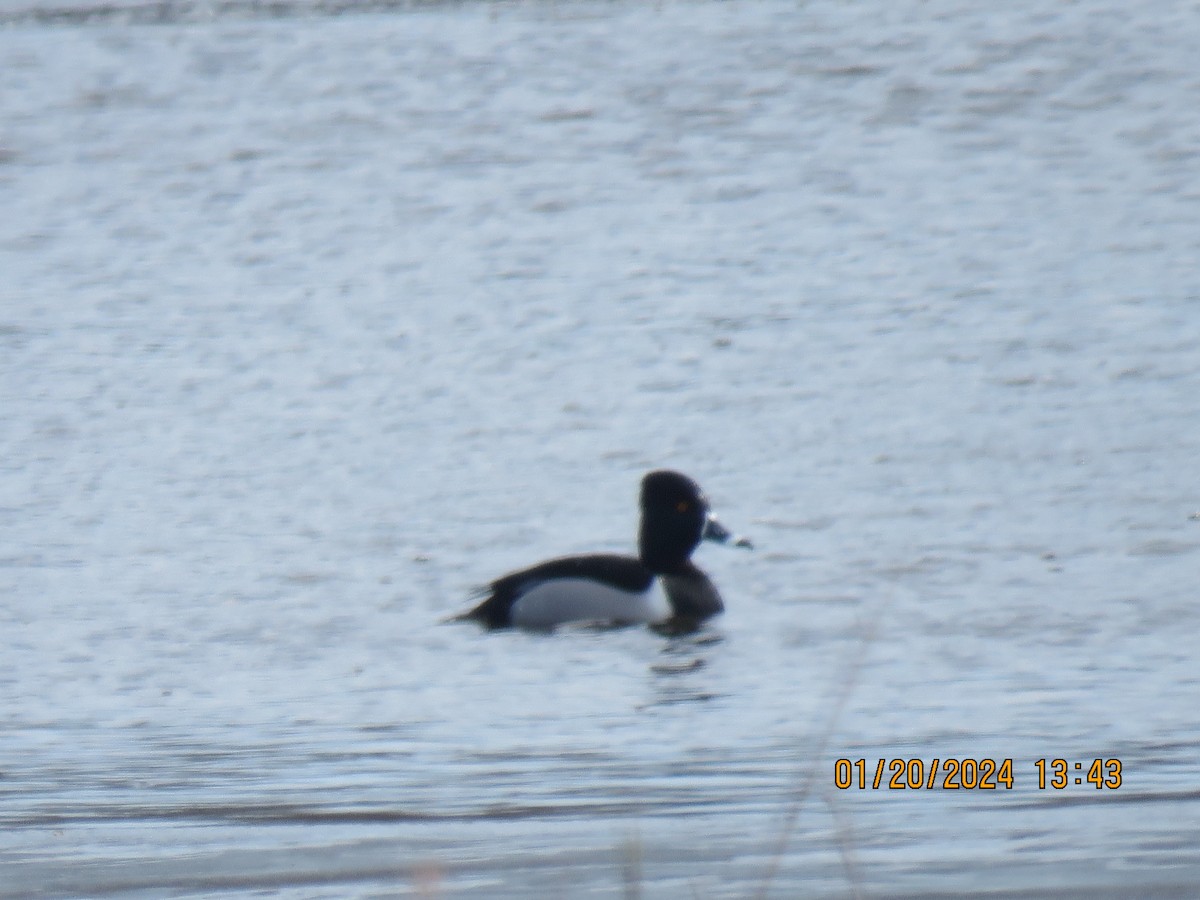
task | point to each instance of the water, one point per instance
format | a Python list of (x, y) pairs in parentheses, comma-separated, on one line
[(311, 323)]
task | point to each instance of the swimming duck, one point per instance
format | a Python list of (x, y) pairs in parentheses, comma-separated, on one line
[(661, 586)]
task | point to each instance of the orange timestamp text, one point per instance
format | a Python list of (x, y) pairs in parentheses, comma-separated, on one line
[(970, 774)]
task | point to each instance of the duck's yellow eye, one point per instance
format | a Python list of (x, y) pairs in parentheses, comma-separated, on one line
[(682, 506)]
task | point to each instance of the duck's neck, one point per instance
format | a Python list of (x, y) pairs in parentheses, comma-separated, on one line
[(659, 556)]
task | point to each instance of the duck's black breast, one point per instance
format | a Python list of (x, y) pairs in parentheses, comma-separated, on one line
[(625, 574), (692, 595)]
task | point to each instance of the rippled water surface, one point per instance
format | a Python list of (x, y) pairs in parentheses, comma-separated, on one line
[(311, 322)]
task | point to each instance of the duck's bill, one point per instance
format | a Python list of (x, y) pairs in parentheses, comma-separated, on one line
[(717, 533)]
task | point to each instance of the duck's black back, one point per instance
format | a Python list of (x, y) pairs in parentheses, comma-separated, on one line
[(625, 573)]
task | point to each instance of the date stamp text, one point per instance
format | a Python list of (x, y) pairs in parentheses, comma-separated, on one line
[(970, 774)]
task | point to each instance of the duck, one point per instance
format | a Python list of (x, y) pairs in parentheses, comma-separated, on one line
[(660, 587)]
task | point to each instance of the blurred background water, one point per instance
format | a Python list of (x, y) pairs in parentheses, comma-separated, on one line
[(315, 316)]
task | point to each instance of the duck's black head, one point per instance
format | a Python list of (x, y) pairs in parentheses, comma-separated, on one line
[(675, 518)]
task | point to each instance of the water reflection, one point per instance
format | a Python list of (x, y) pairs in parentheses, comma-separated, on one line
[(675, 680)]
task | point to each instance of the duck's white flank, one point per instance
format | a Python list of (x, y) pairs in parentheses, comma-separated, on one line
[(584, 600)]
